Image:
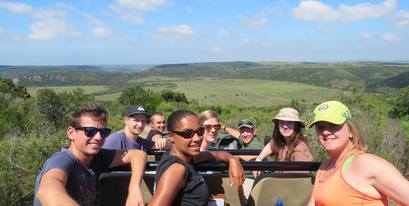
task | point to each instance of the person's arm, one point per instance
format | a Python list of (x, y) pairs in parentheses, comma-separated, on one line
[(169, 185), (265, 152), (383, 176), (137, 160), (160, 142), (236, 171), (233, 132), (52, 189)]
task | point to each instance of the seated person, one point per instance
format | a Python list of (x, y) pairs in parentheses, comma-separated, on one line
[(129, 137), (247, 137), (210, 121), (178, 183), (287, 143), (157, 131), (70, 176)]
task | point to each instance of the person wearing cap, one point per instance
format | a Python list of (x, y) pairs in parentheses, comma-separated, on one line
[(287, 143), (246, 135), (129, 137), (351, 176)]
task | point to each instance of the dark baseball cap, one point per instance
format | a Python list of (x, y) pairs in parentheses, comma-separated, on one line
[(246, 123), (136, 109)]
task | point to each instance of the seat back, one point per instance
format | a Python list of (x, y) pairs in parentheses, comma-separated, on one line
[(228, 142), (114, 187), (219, 183), (292, 188)]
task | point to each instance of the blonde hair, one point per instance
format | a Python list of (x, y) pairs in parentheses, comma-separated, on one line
[(357, 139), (207, 114)]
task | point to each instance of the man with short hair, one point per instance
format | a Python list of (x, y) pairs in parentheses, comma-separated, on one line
[(70, 177), (246, 136), (129, 137), (157, 132)]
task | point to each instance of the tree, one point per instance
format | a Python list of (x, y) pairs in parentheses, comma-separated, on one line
[(7, 86), (171, 96), (51, 107), (400, 105), (139, 96)]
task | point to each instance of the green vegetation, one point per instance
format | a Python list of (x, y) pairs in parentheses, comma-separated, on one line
[(240, 92), (87, 89), (33, 120)]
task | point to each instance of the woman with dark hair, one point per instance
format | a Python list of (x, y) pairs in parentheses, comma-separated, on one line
[(287, 143), (351, 176), (177, 182)]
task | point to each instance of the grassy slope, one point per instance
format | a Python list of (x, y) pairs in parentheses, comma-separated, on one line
[(87, 89), (241, 92)]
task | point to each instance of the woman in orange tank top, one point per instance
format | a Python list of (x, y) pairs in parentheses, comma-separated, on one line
[(351, 176)]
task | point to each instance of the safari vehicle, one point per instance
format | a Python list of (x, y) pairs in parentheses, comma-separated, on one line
[(292, 187)]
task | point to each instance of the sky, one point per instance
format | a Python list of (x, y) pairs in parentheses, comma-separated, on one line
[(124, 32)]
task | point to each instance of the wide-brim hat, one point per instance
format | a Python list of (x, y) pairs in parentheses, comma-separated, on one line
[(288, 114), (331, 111)]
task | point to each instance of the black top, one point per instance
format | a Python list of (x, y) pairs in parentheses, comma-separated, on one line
[(194, 191)]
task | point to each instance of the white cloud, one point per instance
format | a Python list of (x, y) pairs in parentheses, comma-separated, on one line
[(402, 19), (367, 36), (92, 20), (16, 7), (182, 29), (143, 5), (389, 37), (311, 10), (244, 40), (18, 38), (49, 29), (259, 19), (217, 49), (100, 32), (128, 15), (29, 10), (223, 33)]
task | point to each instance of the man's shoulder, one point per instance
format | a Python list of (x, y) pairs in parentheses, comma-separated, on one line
[(255, 144), (63, 160), (117, 134), (114, 139)]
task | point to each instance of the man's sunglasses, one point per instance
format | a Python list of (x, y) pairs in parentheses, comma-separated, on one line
[(92, 131), (189, 133), (209, 127)]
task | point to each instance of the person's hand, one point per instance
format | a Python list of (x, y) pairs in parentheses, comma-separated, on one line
[(135, 199), (161, 144), (257, 172), (236, 173)]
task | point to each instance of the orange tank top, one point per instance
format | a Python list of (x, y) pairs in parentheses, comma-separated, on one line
[(336, 191)]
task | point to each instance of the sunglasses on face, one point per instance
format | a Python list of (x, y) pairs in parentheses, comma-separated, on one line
[(189, 133), (321, 127), (209, 127), (92, 131)]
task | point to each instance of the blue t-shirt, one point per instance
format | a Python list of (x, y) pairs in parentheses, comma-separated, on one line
[(82, 182), (118, 140)]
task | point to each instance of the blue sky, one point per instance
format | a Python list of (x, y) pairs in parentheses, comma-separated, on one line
[(105, 32)]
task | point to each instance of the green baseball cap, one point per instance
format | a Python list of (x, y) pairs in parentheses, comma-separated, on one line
[(332, 111)]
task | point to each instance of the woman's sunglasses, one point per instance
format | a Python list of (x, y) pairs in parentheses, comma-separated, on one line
[(189, 133), (90, 132), (209, 127)]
